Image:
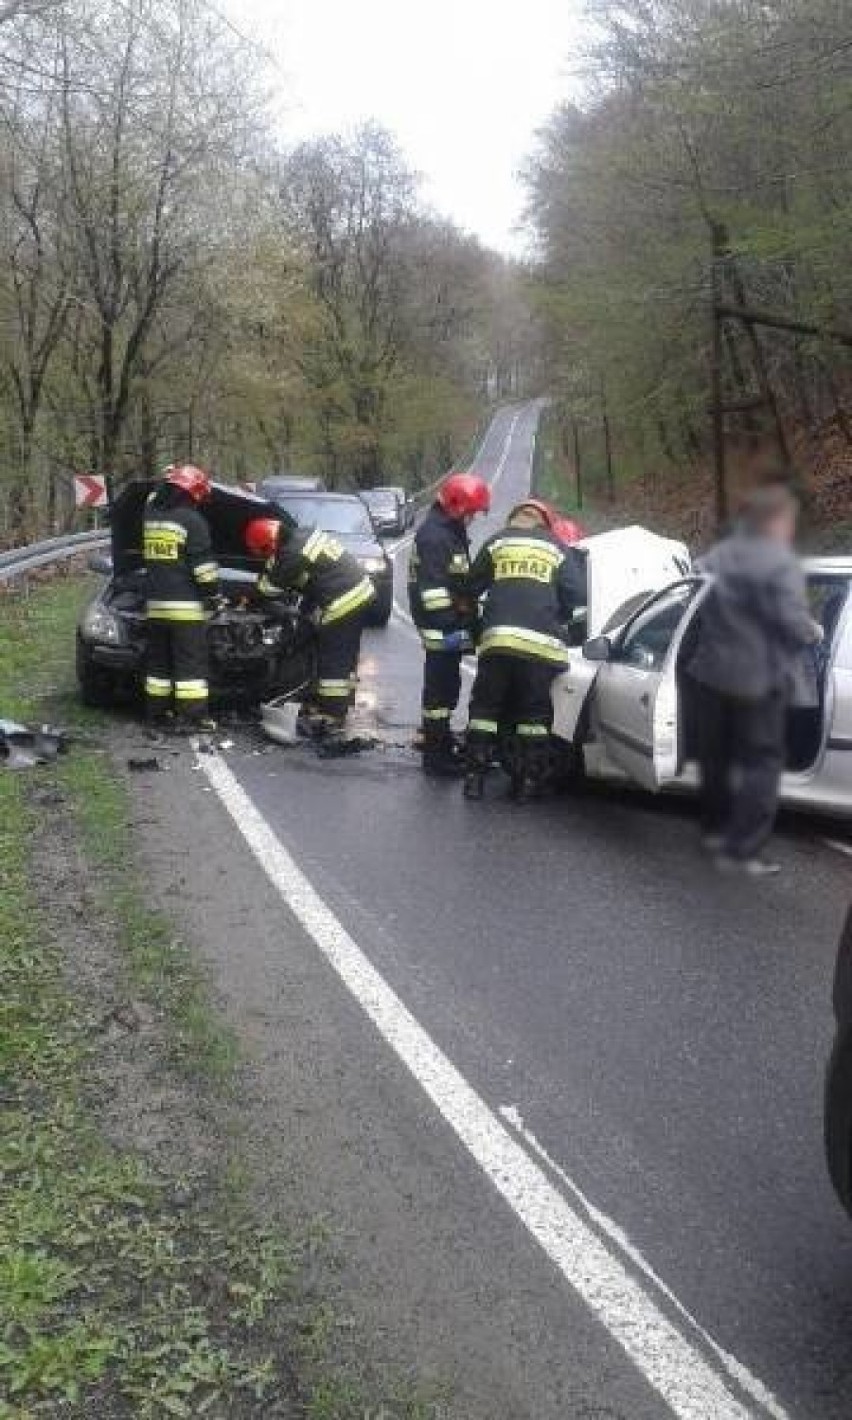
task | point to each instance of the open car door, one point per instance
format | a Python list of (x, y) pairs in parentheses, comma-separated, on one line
[(636, 693)]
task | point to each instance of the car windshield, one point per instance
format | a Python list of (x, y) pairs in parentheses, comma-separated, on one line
[(336, 515)]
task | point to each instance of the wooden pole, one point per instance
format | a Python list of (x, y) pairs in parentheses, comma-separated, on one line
[(578, 467), (720, 476), (610, 477)]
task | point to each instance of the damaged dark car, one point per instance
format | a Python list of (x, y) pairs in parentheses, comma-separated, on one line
[(254, 654)]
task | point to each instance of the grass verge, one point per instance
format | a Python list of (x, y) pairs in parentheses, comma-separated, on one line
[(116, 1299)]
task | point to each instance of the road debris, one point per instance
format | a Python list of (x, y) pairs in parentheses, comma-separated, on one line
[(22, 747), (141, 765)]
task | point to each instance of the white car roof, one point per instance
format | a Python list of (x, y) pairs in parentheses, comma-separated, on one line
[(837, 566)]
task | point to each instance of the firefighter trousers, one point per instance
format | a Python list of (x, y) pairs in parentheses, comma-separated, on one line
[(338, 649), (441, 691), (176, 669), (511, 694)]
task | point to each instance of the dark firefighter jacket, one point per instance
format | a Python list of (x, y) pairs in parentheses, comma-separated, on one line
[(181, 572), (532, 586), (437, 577), (330, 580)]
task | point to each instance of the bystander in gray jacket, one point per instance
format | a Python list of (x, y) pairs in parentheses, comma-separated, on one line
[(756, 632)]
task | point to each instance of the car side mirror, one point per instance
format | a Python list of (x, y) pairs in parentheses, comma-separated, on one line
[(101, 562), (598, 649)]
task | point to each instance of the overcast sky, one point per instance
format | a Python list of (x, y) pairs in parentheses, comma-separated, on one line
[(463, 84)]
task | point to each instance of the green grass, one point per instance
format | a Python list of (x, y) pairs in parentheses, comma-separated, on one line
[(114, 1297)]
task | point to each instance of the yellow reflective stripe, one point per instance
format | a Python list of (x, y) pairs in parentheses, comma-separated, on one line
[(349, 602), (331, 689), (520, 641), (442, 714), (459, 563), (175, 611), (530, 731), (206, 572), (267, 587), (432, 640), (483, 727), (157, 685), (436, 598), (162, 525), (319, 543), (190, 690), (528, 547)]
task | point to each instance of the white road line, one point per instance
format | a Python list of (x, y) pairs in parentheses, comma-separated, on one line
[(838, 846), (617, 1236), (667, 1358)]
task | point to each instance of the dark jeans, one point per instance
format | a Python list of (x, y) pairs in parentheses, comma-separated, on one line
[(741, 746)]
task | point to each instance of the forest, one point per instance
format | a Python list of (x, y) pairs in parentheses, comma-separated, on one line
[(707, 161), (178, 282)]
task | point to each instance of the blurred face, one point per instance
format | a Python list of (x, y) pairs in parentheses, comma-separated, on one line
[(782, 528)]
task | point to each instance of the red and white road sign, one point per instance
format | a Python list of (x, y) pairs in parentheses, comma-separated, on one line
[(90, 490)]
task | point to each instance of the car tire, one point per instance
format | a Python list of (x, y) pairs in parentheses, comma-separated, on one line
[(97, 691), (380, 612), (838, 1118)]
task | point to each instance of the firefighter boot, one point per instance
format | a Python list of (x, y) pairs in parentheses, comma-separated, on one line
[(531, 768), (440, 756), (477, 764)]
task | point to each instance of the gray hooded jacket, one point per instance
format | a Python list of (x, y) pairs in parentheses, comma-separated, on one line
[(755, 627)]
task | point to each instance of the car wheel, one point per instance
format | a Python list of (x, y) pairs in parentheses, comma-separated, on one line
[(838, 1118), (96, 689), (380, 611)]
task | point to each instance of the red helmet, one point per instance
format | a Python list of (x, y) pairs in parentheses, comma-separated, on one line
[(192, 480), (261, 537), (463, 494), (567, 530)]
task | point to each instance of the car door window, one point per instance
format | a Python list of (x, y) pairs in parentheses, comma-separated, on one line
[(647, 639)]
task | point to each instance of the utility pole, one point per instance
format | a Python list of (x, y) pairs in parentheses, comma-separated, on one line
[(578, 467), (720, 476)]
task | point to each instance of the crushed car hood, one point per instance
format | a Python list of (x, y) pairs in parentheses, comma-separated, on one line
[(227, 512), (626, 562)]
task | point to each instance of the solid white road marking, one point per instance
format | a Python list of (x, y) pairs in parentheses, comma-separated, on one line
[(838, 846), (616, 1235), (657, 1346)]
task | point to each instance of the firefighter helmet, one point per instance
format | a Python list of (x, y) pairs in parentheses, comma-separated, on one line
[(463, 494), (567, 530), (191, 480), (262, 536)]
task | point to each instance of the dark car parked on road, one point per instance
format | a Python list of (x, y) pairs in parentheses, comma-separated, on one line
[(346, 517), (387, 510), (838, 1080), (253, 655)]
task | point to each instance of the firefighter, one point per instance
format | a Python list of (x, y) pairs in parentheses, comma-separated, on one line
[(443, 610), (335, 596), (531, 585), (182, 587)]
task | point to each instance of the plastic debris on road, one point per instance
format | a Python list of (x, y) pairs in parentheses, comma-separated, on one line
[(23, 747)]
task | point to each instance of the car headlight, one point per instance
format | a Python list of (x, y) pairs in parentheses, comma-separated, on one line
[(98, 624), (373, 564)]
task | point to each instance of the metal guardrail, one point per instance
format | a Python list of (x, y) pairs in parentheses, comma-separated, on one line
[(17, 561)]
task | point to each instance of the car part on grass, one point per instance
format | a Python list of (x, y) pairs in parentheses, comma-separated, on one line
[(23, 748)]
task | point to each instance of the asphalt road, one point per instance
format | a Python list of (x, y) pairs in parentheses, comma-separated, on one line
[(660, 1034)]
